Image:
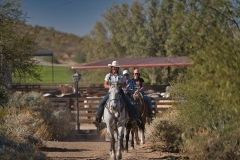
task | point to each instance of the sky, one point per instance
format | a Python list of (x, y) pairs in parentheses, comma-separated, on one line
[(69, 16)]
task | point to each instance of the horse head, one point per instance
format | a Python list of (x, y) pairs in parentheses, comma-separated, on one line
[(114, 99), (138, 98)]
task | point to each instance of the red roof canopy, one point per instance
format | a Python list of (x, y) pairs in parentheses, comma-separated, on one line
[(138, 62)]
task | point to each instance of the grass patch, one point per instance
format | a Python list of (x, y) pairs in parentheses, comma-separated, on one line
[(61, 74)]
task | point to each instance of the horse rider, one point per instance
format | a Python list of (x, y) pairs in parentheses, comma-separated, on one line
[(130, 84), (130, 89), (140, 83), (114, 76)]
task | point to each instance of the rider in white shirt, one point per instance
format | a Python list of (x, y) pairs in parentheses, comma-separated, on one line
[(114, 76)]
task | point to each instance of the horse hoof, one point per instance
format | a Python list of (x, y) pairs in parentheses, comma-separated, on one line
[(119, 157)]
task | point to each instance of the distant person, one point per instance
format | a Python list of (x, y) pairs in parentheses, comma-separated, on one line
[(114, 76), (140, 85), (130, 84), (130, 89)]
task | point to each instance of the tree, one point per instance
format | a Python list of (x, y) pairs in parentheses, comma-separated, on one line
[(16, 44), (211, 87), (141, 31), (97, 44)]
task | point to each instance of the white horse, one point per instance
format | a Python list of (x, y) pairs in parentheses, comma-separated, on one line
[(114, 117)]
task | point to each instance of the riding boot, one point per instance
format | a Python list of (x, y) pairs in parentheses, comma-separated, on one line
[(99, 116)]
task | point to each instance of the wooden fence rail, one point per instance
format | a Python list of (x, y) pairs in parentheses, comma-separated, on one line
[(88, 106)]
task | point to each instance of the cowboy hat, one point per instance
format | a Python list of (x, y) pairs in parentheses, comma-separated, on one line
[(114, 64)]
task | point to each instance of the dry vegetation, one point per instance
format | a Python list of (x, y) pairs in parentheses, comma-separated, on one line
[(27, 121)]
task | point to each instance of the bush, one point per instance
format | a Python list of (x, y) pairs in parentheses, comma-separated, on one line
[(31, 114), (12, 150), (164, 129), (209, 122), (3, 97)]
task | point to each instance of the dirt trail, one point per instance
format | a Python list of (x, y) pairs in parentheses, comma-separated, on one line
[(89, 146)]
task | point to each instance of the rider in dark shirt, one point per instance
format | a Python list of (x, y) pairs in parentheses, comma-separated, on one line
[(140, 83)]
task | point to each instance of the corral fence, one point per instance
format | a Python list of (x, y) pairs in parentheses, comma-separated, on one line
[(87, 105), (53, 87)]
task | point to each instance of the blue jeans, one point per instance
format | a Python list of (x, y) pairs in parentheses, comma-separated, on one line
[(125, 99), (148, 100), (102, 103)]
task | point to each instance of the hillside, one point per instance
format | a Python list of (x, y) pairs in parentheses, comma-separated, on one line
[(64, 45)]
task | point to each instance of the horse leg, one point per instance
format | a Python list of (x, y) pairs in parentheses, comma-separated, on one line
[(120, 141), (122, 146), (132, 140), (149, 120), (128, 128), (136, 136), (112, 147), (142, 137), (110, 133)]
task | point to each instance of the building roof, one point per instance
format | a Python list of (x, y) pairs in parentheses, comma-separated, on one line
[(138, 62)]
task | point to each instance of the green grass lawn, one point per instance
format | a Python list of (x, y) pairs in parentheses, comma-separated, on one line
[(62, 74)]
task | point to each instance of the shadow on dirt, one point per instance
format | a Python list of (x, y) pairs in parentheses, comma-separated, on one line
[(82, 136), (170, 158), (55, 149)]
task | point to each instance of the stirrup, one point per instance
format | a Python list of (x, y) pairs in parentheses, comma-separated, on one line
[(97, 120)]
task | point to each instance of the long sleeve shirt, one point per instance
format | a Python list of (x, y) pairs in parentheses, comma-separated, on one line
[(131, 86)]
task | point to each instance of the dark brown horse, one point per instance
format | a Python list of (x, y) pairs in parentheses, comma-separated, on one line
[(144, 111), (133, 129)]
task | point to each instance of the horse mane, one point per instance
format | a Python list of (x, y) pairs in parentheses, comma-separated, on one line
[(137, 96)]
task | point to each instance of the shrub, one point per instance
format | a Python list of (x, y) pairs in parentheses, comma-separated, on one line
[(164, 129), (12, 150), (3, 97), (209, 122), (31, 114)]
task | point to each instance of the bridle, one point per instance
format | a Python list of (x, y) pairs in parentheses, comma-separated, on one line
[(111, 109)]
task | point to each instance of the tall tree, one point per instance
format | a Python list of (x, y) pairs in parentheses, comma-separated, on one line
[(16, 43), (211, 88), (98, 44), (144, 30)]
